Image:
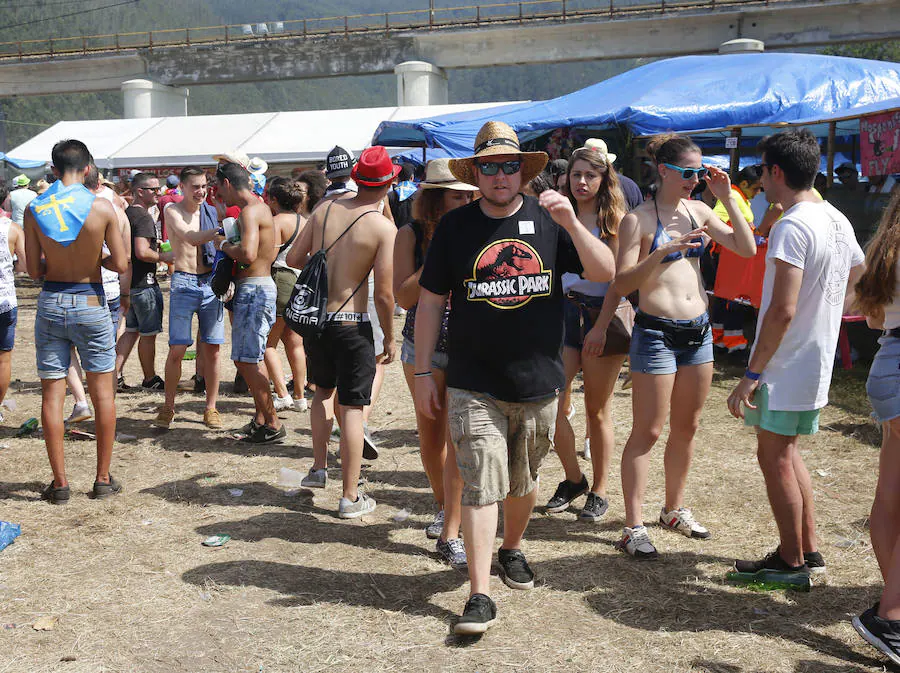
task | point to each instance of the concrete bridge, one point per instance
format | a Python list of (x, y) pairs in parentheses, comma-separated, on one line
[(533, 31)]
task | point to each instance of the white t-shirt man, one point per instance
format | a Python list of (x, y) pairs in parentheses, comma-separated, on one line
[(18, 202), (817, 238)]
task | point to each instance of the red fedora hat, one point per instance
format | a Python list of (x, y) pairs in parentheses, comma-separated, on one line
[(374, 168)]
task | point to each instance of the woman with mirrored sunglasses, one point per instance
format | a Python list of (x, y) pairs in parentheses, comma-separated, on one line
[(671, 353)]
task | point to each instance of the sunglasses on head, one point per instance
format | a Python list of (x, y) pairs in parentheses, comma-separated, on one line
[(688, 173), (491, 167)]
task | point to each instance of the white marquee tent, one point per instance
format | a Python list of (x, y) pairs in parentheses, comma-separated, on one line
[(277, 137)]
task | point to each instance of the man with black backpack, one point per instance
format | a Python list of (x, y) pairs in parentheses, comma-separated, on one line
[(355, 238)]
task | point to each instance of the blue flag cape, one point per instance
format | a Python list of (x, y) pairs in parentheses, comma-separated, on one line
[(61, 211)]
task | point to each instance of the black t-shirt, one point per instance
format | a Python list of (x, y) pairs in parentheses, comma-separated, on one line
[(506, 303), (143, 274)]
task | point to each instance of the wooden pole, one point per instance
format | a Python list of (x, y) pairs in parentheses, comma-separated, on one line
[(829, 161), (735, 164)]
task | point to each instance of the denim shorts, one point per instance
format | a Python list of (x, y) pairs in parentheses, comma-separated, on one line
[(649, 353), (189, 294), (787, 423), (883, 384), (145, 316), (114, 305), (408, 355), (8, 329), (64, 320), (254, 315)]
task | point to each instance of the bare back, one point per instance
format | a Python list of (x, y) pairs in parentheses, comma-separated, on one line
[(79, 262), (674, 289), (354, 255)]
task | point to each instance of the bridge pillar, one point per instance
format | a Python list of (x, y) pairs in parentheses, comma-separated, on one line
[(144, 98), (420, 83)]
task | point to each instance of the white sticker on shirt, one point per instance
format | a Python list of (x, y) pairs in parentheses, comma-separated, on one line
[(526, 227)]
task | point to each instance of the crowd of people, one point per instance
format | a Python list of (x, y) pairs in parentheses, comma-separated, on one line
[(514, 275)]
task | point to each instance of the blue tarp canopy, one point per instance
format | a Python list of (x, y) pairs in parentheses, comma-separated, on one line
[(688, 94), (22, 163)]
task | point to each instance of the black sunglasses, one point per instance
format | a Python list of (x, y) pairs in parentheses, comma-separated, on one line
[(491, 167), (151, 189)]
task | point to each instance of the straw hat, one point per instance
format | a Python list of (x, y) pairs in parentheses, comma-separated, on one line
[(493, 139), (233, 157), (599, 146), (438, 176)]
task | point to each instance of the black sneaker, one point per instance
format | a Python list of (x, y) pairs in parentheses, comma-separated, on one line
[(881, 633), (815, 562), (121, 386), (477, 617), (199, 384), (514, 569), (155, 383), (249, 429), (265, 434), (566, 492), (594, 508), (772, 561), (370, 451), (103, 491), (56, 495)]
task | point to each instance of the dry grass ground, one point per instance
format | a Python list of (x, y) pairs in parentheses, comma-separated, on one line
[(297, 589)]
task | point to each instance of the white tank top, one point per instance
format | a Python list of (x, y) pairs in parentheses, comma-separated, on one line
[(7, 278), (109, 278)]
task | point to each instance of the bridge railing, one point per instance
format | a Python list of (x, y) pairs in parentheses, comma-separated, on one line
[(383, 22)]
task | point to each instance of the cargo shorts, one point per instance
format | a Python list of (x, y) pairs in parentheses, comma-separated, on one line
[(499, 445)]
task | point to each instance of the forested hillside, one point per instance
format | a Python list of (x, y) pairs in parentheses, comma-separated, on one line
[(29, 115)]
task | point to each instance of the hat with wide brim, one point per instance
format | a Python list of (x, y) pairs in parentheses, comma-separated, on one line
[(438, 176), (257, 165), (233, 157), (494, 139)]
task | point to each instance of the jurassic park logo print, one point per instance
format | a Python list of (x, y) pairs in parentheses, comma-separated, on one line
[(507, 274)]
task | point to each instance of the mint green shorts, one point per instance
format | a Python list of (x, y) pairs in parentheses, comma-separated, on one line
[(787, 423)]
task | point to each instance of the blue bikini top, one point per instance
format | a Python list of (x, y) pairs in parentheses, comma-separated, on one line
[(661, 238)]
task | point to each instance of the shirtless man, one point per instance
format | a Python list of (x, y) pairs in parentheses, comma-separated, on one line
[(254, 297), (64, 246), (192, 226), (344, 355)]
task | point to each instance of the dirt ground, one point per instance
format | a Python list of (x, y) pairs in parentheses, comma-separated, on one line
[(297, 589)]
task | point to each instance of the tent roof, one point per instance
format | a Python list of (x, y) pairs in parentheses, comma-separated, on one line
[(686, 94), (277, 137)]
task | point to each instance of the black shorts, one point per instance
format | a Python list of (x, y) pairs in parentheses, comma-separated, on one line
[(343, 357)]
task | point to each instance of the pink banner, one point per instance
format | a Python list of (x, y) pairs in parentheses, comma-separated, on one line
[(879, 141)]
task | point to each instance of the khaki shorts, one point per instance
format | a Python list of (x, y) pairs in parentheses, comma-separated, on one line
[(499, 445)]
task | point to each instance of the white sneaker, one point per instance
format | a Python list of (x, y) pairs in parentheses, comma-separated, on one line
[(570, 414), (315, 478), (587, 448), (300, 404), (636, 542), (399, 310), (282, 403), (682, 521), (80, 412), (348, 509)]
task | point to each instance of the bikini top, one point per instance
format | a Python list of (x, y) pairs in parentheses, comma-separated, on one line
[(661, 238)]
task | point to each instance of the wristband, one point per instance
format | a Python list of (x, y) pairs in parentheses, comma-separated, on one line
[(222, 245), (420, 375), (753, 376)]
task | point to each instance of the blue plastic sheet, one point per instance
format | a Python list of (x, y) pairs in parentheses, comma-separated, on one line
[(685, 94), (8, 533)]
